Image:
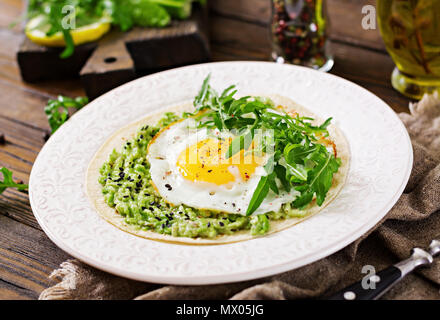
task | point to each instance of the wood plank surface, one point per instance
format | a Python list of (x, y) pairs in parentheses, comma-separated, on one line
[(238, 31)]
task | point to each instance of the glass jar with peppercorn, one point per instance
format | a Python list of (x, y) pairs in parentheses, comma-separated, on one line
[(298, 31)]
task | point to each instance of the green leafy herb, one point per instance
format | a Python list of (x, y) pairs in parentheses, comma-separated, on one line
[(259, 194), (123, 13), (296, 158), (144, 13), (86, 12), (57, 111), (8, 182)]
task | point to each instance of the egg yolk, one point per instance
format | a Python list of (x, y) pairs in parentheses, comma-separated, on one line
[(206, 161)]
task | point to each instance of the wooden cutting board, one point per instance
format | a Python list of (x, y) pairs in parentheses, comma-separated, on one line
[(120, 56)]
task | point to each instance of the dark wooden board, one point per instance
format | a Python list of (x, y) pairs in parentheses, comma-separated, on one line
[(120, 56)]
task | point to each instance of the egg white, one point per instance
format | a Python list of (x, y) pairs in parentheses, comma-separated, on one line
[(235, 197)]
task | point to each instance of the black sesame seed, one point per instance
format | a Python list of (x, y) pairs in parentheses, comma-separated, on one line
[(152, 203), (151, 208), (209, 224), (221, 224), (168, 187), (209, 170), (146, 194), (143, 208), (157, 218)]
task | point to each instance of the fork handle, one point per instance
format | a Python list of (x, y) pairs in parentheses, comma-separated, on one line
[(385, 279), (382, 280)]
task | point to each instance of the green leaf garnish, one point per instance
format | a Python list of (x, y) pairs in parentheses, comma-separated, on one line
[(259, 194), (8, 182), (297, 160), (57, 111), (122, 13)]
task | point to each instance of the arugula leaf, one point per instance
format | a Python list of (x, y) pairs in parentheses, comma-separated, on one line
[(319, 181), (203, 93), (259, 194), (70, 45), (57, 111), (296, 172), (295, 153), (295, 157), (272, 182), (8, 182)]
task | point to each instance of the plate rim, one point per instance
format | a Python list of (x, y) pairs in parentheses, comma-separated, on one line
[(243, 275)]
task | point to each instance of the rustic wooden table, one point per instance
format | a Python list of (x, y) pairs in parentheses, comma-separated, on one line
[(238, 31)]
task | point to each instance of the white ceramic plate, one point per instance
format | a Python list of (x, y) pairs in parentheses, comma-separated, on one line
[(381, 161)]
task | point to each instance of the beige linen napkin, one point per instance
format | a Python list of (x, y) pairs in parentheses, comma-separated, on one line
[(413, 221)]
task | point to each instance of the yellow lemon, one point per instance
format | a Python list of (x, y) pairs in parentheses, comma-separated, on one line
[(37, 28)]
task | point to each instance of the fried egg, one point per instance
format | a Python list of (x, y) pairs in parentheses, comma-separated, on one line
[(188, 165)]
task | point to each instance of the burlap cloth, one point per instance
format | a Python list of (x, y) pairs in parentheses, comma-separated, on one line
[(413, 221)]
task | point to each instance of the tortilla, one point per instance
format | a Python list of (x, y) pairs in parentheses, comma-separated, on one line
[(117, 140)]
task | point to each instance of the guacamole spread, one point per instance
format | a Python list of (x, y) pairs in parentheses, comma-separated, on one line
[(127, 187)]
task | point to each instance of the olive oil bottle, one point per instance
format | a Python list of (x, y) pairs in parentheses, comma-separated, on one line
[(411, 32)]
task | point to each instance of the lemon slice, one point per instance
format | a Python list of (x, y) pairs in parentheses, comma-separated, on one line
[(37, 28)]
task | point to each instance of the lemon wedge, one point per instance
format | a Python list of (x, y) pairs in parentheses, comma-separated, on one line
[(37, 28)]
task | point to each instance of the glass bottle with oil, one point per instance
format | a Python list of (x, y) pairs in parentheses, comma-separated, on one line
[(411, 32)]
